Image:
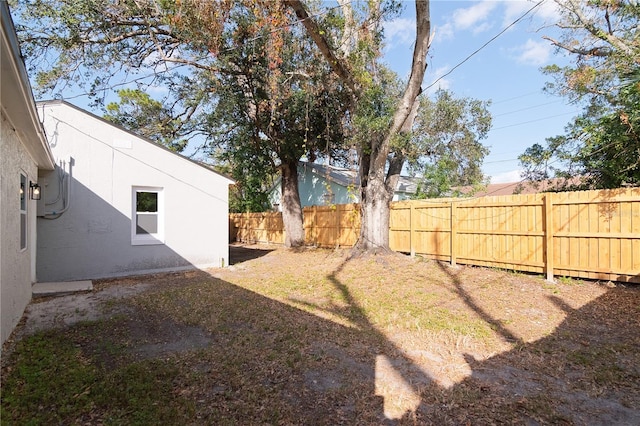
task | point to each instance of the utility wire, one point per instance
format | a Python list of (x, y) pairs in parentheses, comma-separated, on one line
[(526, 109), (524, 95), (484, 45), (534, 121)]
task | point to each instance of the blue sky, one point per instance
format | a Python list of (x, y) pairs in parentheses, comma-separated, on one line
[(507, 71)]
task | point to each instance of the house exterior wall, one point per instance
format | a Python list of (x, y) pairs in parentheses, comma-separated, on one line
[(17, 266), (316, 190), (401, 196), (104, 163)]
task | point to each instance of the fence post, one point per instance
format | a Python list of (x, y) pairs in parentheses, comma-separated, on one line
[(548, 235), (454, 239), (246, 227), (314, 226), (336, 211), (412, 236)]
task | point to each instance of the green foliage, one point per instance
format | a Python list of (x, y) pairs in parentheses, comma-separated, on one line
[(446, 146), (261, 97), (266, 117), (374, 111), (54, 381), (146, 201), (258, 97), (601, 146), (147, 117)]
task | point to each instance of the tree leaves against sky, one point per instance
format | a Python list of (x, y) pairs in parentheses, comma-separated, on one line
[(601, 146)]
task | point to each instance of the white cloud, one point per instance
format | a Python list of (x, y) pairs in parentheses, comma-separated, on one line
[(514, 9), (400, 31), (545, 14), (549, 11), (482, 16), (157, 90), (444, 32), (507, 177), (533, 52), (474, 16)]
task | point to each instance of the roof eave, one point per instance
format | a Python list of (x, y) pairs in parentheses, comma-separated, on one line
[(16, 89)]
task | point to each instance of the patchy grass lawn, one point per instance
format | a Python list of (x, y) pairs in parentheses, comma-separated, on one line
[(312, 337)]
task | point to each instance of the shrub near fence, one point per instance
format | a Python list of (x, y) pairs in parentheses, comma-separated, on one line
[(587, 234)]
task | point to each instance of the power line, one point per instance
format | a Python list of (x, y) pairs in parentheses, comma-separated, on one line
[(527, 108), (516, 97), (534, 121), (500, 161), (484, 45)]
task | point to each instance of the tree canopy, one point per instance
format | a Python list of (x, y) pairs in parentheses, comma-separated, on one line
[(446, 147), (240, 74), (354, 58), (148, 117), (249, 73), (601, 147)]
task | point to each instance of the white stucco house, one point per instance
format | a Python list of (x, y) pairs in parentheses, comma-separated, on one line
[(82, 198), (119, 204), (24, 155), (321, 185)]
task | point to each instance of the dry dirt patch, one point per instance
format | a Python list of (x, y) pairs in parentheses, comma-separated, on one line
[(315, 337)]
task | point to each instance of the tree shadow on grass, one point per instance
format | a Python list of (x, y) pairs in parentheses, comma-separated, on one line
[(585, 372), (241, 253), (258, 360)]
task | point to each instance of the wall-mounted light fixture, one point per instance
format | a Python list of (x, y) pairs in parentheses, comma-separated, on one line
[(34, 191)]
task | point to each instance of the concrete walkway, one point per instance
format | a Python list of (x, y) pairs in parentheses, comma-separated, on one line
[(58, 288)]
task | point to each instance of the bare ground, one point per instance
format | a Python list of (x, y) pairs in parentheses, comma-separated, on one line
[(313, 337)]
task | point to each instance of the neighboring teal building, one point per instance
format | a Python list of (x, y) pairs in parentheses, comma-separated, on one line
[(321, 185)]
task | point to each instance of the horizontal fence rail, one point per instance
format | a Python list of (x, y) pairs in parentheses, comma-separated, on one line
[(585, 234), (324, 226)]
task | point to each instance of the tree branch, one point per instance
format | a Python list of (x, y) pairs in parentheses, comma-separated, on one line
[(418, 68), (337, 65), (408, 106), (597, 32), (599, 51)]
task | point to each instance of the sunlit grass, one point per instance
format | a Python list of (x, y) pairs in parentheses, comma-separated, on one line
[(317, 338)]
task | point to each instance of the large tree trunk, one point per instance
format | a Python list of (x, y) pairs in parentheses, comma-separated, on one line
[(377, 188), (374, 211), (291, 207)]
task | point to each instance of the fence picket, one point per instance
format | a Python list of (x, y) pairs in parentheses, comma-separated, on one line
[(589, 234)]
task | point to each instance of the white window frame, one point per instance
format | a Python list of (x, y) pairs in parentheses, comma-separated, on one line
[(23, 232), (147, 239)]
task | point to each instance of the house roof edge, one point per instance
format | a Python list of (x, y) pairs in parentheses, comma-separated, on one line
[(124, 129)]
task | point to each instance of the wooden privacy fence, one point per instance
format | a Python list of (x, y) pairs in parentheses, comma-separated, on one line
[(324, 226), (587, 234)]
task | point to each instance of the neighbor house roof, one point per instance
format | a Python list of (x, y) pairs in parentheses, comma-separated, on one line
[(17, 100), (509, 188), (521, 188)]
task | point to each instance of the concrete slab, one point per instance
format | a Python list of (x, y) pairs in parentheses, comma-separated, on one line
[(65, 287)]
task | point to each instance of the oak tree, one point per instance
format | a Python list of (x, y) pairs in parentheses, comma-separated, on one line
[(235, 72), (353, 55)]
